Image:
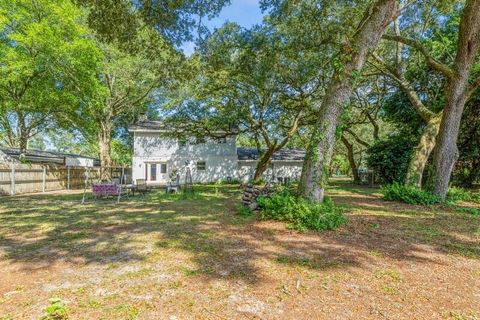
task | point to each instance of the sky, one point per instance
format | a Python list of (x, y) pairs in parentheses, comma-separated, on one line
[(244, 12)]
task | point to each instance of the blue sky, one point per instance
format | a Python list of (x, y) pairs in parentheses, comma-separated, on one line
[(244, 12)]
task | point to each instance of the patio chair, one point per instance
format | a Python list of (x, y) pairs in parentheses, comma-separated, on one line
[(141, 186), (173, 187)]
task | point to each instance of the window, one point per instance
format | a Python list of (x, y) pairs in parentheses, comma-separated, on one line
[(221, 140), (163, 168), (201, 165), (153, 172)]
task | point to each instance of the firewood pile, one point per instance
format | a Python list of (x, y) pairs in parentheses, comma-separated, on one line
[(250, 195)]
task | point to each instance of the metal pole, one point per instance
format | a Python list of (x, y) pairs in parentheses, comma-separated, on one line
[(12, 178), (44, 176), (68, 177)]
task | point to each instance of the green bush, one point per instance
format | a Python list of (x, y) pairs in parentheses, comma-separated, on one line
[(390, 157), (472, 211), (57, 310), (459, 194), (409, 194), (244, 211), (300, 213)]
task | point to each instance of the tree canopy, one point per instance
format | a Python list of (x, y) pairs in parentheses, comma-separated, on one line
[(351, 82)]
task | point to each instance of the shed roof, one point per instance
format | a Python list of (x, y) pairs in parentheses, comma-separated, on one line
[(35, 155)]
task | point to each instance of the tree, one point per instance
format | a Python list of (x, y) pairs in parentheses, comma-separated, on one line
[(176, 20), (127, 80), (417, 77), (250, 82), (359, 123), (47, 64), (352, 57), (458, 90), (467, 168)]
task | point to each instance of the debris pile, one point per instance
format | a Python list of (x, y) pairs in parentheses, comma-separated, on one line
[(250, 195)]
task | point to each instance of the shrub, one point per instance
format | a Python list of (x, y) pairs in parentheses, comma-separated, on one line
[(409, 194), (243, 211), (57, 310), (472, 211), (459, 194), (300, 213), (390, 158)]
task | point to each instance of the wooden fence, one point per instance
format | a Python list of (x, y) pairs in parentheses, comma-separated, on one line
[(30, 178)]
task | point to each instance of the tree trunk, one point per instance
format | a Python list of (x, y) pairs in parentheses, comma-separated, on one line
[(263, 164), (351, 160), (104, 140), (422, 152), (457, 90), (319, 152), (22, 144)]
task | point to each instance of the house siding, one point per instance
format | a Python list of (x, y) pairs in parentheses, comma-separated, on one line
[(221, 159), (284, 169)]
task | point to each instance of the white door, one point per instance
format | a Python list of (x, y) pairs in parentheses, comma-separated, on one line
[(157, 172)]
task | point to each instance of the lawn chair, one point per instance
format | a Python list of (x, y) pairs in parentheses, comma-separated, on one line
[(141, 186), (173, 187)]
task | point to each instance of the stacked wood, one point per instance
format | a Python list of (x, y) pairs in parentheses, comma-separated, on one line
[(250, 195)]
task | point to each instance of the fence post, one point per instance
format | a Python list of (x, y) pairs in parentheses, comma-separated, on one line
[(12, 178), (68, 177), (44, 178)]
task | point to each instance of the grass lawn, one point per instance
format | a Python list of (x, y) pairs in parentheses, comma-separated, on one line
[(171, 257)]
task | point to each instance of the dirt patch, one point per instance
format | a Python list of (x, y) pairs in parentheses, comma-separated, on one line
[(173, 257)]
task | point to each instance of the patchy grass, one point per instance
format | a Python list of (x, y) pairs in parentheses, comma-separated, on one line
[(192, 256)]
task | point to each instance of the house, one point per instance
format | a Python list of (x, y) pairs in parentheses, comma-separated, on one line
[(47, 157), (157, 157)]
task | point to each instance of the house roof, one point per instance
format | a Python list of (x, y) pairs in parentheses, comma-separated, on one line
[(282, 155), (154, 125), (5, 157), (41, 155), (148, 125)]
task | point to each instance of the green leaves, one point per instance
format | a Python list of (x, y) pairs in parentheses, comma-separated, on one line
[(300, 213), (409, 194), (47, 64)]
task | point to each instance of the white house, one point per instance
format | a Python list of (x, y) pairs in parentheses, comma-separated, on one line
[(156, 156)]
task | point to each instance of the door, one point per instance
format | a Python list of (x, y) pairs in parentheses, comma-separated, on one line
[(157, 172)]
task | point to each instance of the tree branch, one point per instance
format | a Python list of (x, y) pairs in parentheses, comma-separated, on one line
[(357, 138), (440, 67), (472, 88), (406, 87)]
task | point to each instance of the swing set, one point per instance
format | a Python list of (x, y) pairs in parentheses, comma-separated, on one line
[(101, 189)]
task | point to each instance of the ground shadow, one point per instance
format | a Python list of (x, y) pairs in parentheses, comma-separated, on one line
[(37, 231)]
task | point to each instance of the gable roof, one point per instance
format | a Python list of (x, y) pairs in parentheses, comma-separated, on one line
[(282, 155)]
